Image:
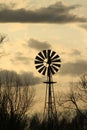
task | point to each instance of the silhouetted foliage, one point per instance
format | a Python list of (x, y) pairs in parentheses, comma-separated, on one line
[(77, 123), (76, 99), (15, 100), (35, 122), (38, 123), (2, 37), (9, 120)]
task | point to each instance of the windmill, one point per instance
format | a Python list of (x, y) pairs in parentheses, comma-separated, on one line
[(47, 63)]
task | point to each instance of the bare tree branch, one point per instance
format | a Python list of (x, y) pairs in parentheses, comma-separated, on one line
[(2, 38), (77, 95)]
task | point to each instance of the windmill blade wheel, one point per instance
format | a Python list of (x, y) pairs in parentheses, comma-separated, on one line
[(47, 62)]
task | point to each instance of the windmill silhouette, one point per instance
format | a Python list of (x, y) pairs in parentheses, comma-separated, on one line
[(47, 63)]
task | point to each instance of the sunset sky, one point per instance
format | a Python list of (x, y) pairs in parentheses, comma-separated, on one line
[(34, 25)]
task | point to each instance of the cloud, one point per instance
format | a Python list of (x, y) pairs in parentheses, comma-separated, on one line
[(84, 26), (4, 6), (23, 59), (29, 78), (38, 45), (3, 54), (20, 58), (75, 52), (56, 13), (25, 78), (73, 69)]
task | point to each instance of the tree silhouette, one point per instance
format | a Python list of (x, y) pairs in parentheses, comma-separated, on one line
[(2, 38), (76, 100), (76, 97), (15, 101)]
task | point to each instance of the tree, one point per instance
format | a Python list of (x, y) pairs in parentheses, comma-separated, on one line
[(2, 38), (16, 98), (76, 100)]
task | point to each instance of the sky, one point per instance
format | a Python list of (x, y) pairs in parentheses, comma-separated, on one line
[(34, 25)]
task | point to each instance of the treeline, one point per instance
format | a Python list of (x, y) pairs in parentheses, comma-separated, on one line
[(17, 98), (77, 123)]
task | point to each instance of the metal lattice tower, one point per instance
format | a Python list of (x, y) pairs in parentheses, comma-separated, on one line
[(48, 63)]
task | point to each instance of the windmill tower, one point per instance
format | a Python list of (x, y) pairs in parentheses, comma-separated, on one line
[(47, 63)]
